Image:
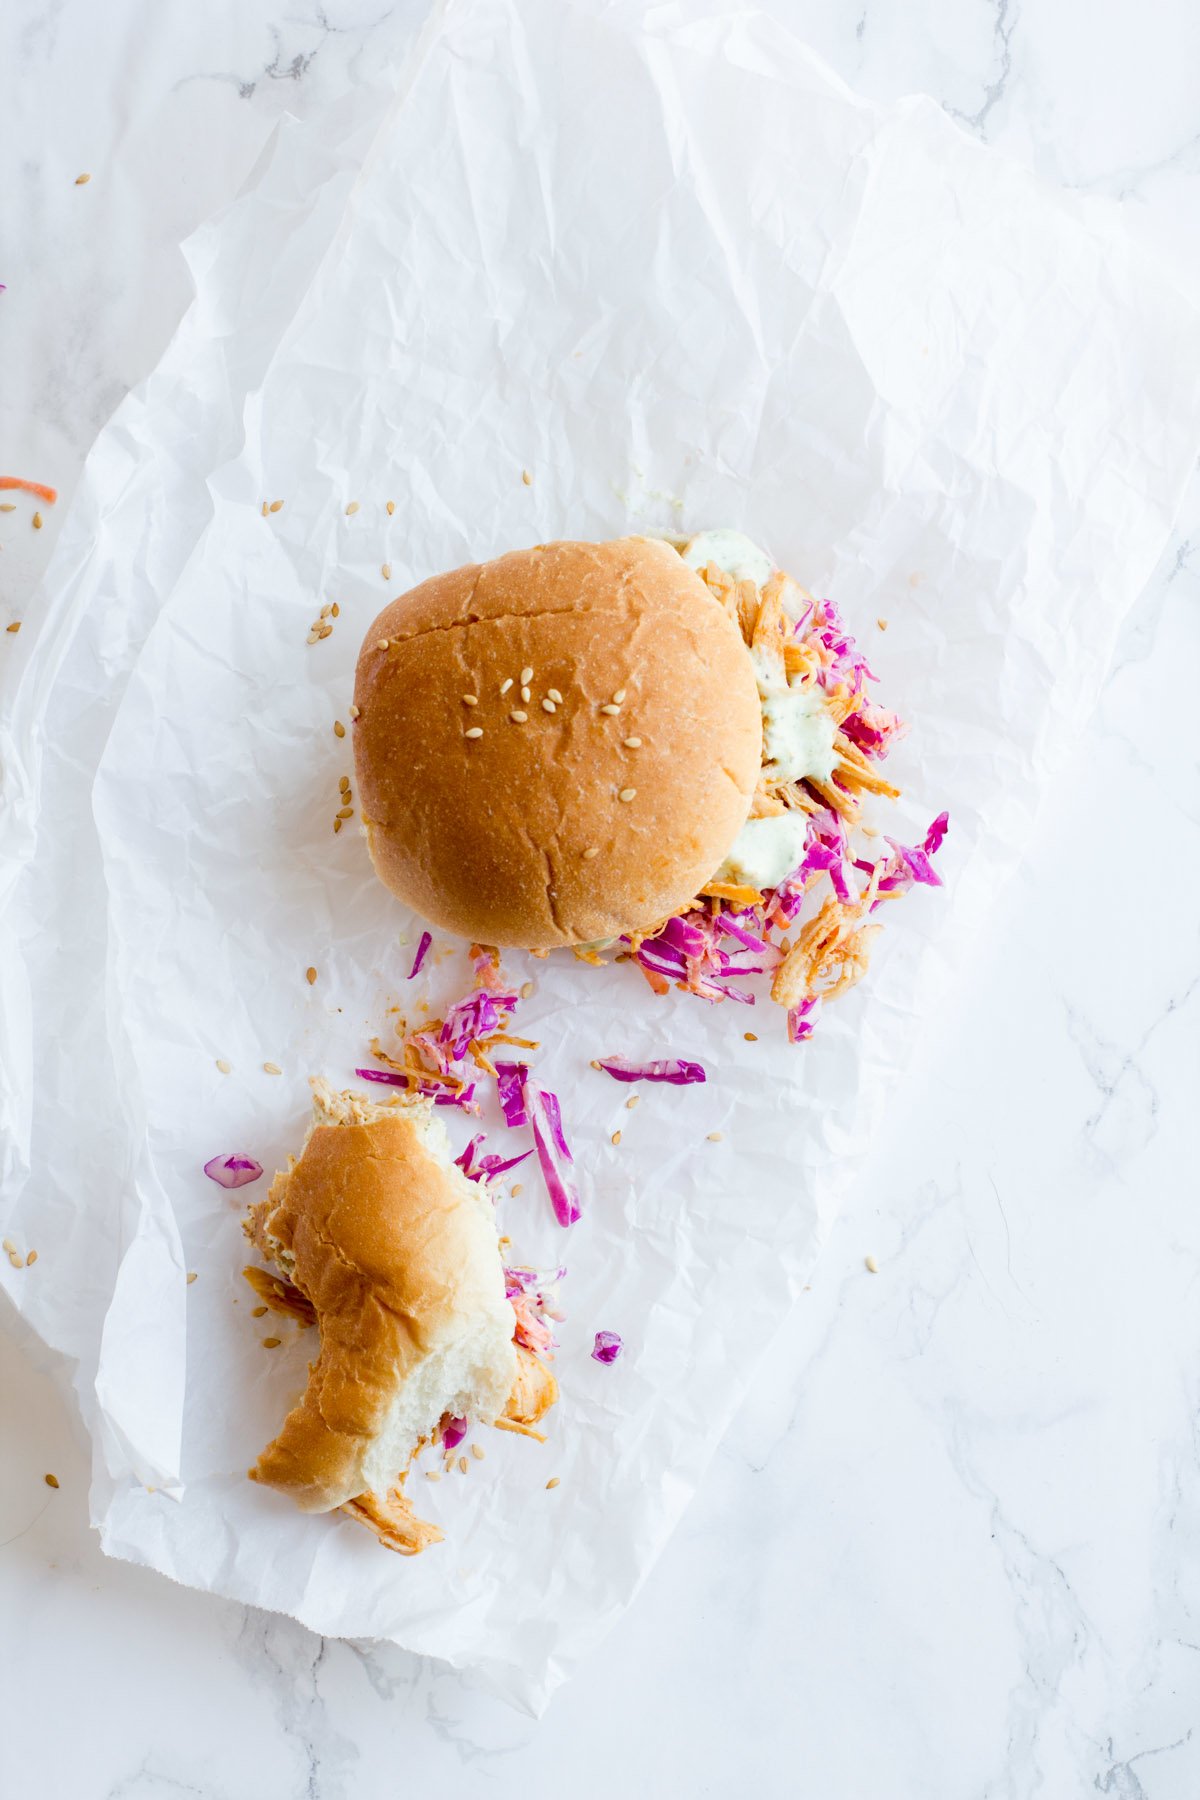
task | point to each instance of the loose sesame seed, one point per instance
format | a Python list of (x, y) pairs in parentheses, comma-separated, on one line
[(352, 508), (505, 685), (354, 712), (882, 624), (527, 674), (325, 612), (549, 706), (590, 852), (619, 696), (272, 1069), (50, 1480), (616, 1137), (632, 743), (339, 730), (82, 181), (323, 630), (310, 975), (386, 571), (714, 1137), (344, 784), (391, 507), (336, 610), (627, 794), (277, 506), (632, 1102), (265, 509), (259, 1312), (272, 1343), (525, 693), (872, 1265), (191, 1277), (11, 506), (555, 696), (7, 1246), (470, 699), (478, 1452), (433, 1475), (31, 1259), (610, 709), (596, 1065), (16, 1259), (37, 521), (344, 812), (476, 731), (382, 644), (462, 1465), (337, 826), (224, 1066), (519, 718), (526, 477), (14, 627), (553, 1482), (518, 1187), (751, 1037), (526, 989)]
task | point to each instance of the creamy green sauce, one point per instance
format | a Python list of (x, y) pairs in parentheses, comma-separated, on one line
[(798, 734), (765, 850), (732, 551)]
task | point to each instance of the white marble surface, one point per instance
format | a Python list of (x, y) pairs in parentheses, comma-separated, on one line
[(950, 1548)]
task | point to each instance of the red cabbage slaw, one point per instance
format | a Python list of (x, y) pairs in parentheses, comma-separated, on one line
[(234, 1171), (486, 1168), (689, 954), (532, 1293), (418, 961), (607, 1347), (440, 1055), (674, 1069), (553, 1152)]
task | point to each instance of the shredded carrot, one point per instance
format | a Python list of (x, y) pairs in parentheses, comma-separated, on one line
[(658, 982), (731, 891), (15, 484), (524, 1430)]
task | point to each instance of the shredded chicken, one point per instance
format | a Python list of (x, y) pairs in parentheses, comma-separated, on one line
[(394, 1522), (831, 953), (280, 1295), (534, 1391)]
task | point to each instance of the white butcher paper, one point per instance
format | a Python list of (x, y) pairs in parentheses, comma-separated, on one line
[(684, 278)]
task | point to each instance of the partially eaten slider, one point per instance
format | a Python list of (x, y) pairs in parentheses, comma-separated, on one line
[(558, 747), (386, 1245)]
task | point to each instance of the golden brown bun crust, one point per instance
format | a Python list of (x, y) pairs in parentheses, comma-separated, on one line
[(393, 1248), (486, 836)]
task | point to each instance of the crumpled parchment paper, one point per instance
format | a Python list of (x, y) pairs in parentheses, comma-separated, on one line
[(683, 277)]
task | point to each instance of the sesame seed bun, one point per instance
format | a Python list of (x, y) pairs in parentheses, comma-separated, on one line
[(550, 827)]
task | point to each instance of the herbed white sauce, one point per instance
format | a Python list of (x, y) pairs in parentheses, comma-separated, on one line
[(741, 559), (765, 850), (799, 731), (798, 734)]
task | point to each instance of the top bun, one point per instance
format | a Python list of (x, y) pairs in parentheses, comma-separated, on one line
[(558, 822)]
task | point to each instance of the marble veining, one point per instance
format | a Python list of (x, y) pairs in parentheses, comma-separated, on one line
[(949, 1548)]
